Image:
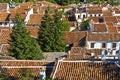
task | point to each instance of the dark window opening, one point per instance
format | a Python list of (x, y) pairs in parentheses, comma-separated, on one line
[(113, 45), (83, 16), (103, 45), (92, 45), (101, 20), (78, 16)]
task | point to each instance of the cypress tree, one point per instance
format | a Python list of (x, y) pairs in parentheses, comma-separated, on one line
[(51, 32), (45, 35), (22, 46), (59, 27)]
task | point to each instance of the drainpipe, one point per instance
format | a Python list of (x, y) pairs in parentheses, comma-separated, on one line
[(57, 68)]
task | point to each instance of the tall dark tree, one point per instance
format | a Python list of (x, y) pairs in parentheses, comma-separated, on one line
[(51, 30), (46, 36), (59, 27), (22, 46)]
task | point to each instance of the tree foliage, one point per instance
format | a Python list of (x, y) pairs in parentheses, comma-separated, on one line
[(22, 46), (51, 31), (85, 24)]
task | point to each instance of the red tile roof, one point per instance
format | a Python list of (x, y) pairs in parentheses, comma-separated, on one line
[(81, 70), (103, 37), (99, 28), (74, 37), (3, 6), (112, 29), (5, 49), (111, 19), (33, 31), (35, 19), (78, 53), (5, 36), (4, 16), (15, 72), (46, 4)]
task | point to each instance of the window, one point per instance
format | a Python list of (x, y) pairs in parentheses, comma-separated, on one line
[(5, 23), (103, 45), (83, 16), (92, 45), (78, 16), (113, 45)]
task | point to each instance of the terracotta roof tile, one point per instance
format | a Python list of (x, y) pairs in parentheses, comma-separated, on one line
[(112, 29), (5, 36), (95, 19), (3, 6), (4, 16), (107, 13), (94, 9), (103, 37), (74, 37), (33, 31), (111, 19), (5, 49), (78, 70), (109, 23), (118, 29), (35, 19), (78, 53), (99, 28), (46, 4), (15, 72)]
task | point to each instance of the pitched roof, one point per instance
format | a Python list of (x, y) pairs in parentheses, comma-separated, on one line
[(109, 23), (78, 53), (33, 31), (86, 70), (94, 9), (5, 36), (46, 4), (95, 19), (5, 49), (15, 72), (112, 29), (3, 6), (4, 16), (5, 33), (103, 37), (74, 37), (35, 19), (110, 19), (107, 12), (99, 28)]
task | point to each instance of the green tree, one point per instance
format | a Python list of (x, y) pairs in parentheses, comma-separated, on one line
[(85, 24), (51, 29), (45, 34), (59, 27), (22, 46)]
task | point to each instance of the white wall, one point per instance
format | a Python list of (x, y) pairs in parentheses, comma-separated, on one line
[(98, 44), (28, 15)]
